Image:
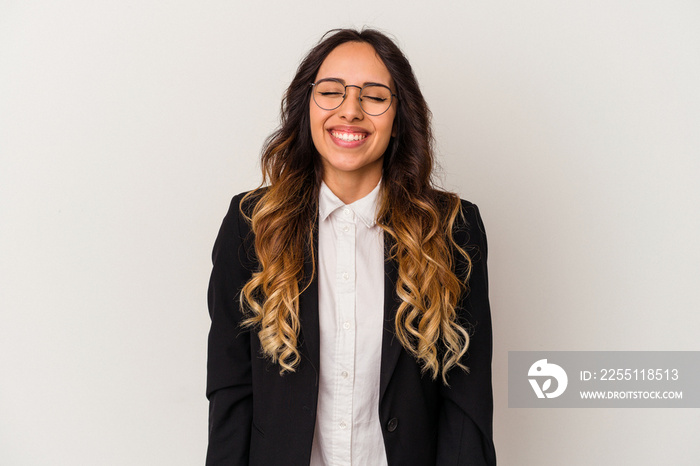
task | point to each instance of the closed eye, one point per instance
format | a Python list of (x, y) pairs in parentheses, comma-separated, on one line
[(375, 99)]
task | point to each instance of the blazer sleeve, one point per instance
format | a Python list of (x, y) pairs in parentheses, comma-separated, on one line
[(465, 428), (229, 379)]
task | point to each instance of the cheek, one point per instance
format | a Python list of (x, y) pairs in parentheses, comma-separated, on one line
[(315, 119)]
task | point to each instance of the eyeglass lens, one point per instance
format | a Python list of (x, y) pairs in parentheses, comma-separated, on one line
[(374, 99)]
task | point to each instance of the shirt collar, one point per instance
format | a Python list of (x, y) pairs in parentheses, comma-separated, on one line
[(365, 208)]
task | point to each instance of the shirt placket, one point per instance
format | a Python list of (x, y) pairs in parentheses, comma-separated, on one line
[(345, 302)]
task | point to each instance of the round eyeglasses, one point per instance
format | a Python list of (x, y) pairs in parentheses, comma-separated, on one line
[(330, 94)]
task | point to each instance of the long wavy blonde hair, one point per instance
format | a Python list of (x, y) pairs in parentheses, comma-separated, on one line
[(417, 217)]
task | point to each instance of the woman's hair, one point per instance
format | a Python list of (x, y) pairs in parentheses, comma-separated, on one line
[(417, 217)]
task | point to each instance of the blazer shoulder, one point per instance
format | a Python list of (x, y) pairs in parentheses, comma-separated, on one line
[(472, 214), (469, 231), (236, 239), (470, 217), (246, 201)]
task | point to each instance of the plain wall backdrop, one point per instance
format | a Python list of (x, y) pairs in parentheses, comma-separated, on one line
[(126, 127)]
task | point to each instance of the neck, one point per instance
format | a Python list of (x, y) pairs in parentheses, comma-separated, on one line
[(350, 188)]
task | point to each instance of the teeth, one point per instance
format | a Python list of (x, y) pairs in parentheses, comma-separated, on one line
[(348, 136)]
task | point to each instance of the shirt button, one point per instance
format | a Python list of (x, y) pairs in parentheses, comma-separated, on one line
[(392, 424), (346, 275), (343, 425), (344, 374), (346, 325), (346, 228), (347, 212)]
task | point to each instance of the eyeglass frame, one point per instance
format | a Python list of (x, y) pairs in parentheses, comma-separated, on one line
[(359, 96)]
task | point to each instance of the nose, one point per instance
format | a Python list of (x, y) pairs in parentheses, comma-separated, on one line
[(350, 109)]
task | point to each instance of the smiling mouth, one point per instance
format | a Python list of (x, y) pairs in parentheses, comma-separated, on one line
[(348, 137)]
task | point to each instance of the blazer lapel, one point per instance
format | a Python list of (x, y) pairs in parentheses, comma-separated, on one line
[(391, 347), (308, 311)]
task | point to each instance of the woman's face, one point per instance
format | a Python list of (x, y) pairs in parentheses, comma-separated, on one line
[(352, 143)]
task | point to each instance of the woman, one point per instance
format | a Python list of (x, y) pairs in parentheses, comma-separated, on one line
[(349, 297)]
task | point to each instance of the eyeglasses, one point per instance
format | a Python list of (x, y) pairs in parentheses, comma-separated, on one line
[(330, 94)]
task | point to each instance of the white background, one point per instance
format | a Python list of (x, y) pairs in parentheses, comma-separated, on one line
[(126, 126)]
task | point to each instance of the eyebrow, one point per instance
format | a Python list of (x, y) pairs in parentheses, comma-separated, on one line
[(366, 83)]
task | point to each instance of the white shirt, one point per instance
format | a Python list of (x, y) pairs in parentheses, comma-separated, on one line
[(351, 314)]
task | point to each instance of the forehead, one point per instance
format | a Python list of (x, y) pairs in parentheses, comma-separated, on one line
[(355, 63)]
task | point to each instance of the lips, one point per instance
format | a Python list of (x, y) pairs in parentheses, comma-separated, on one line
[(347, 136)]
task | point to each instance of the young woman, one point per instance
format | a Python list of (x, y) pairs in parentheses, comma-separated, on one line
[(349, 296)]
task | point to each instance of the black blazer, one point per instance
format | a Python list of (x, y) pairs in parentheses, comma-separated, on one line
[(257, 417)]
